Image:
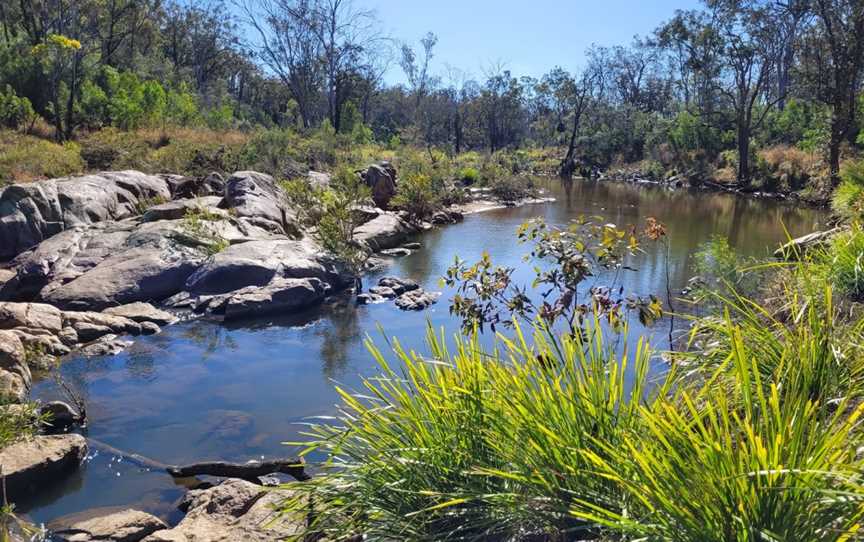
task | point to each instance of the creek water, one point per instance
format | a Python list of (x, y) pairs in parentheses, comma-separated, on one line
[(201, 390)]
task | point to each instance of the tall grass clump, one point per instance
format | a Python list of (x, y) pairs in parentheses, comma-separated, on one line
[(841, 262), (848, 199), (469, 444), (753, 461)]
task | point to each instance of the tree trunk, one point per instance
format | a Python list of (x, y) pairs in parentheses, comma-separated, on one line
[(743, 152)]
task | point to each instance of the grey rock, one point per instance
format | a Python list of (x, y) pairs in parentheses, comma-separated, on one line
[(281, 295), (31, 465), (417, 300), (149, 328), (114, 324), (256, 263), (139, 274), (88, 332), (68, 336), (42, 348), (142, 312), (33, 212), (447, 217), (797, 247), (398, 252), (385, 231), (30, 315), (196, 187), (398, 285), (107, 345), (318, 179), (370, 299), (383, 291), (175, 210), (14, 373), (257, 199), (61, 416), (382, 180), (123, 526), (412, 246), (231, 511)]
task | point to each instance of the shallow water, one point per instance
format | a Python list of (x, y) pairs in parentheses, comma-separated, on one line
[(200, 390)]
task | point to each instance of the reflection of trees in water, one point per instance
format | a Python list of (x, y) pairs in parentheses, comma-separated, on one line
[(341, 334), (210, 337)]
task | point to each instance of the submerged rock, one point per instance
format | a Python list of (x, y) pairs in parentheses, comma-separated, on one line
[(123, 526), (107, 345), (231, 511), (33, 464)]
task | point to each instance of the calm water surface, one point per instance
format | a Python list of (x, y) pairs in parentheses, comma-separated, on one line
[(200, 390)]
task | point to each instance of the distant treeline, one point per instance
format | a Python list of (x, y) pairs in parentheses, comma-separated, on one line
[(706, 89)]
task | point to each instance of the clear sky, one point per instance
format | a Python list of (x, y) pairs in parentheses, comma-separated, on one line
[(528, 37)]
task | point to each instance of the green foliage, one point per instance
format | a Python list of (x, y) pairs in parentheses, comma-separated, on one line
[(842, 262), (848, 199), (15, 112), (469, 444), (27, 158), (751, 461), (417, 196), (201, 231), (487, 295), (331, 212), (17, 421), (721, 271), (469, 175)]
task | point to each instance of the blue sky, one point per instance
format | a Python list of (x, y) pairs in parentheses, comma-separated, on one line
[(528, 37)]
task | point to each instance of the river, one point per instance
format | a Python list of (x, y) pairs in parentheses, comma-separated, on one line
[(200, 390)]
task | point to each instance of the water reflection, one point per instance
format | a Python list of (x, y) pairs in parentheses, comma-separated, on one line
[(201, 390)]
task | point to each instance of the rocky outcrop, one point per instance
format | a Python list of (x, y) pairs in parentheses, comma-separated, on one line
[(14, 371), (256, 263), (33, 212), (175, 210), (280, 295), (46, 332), (407, 293), (256, 199), (385, 231), (32, 464), (234, 510), (123, 526), (381, 179), (142, 312)]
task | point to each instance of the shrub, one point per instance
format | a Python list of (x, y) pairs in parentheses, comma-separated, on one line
[(469, 175), (417, 196), (842, 262), (15, 112), (848, 199), (27, 158), (468, 444)]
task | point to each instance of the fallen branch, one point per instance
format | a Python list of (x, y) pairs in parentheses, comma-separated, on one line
[(250, 471)]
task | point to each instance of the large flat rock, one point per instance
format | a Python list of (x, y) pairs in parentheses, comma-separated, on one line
[(32, 464), (384, 231), (122, 526), (234, 510)]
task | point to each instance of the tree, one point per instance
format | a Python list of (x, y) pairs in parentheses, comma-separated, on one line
[(748, 51), (835, 51), (578, 93)]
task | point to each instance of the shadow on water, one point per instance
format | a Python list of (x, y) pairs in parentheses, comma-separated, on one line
[(201, 390)]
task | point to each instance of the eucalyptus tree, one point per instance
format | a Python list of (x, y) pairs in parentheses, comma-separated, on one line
[(834, 57)]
